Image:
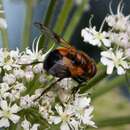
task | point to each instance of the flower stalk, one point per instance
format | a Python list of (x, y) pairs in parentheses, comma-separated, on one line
[(47, 21), (105, 87), (3, 27), (75, 19), (27, 24), (63, 16), (5, 38), (113, 121)]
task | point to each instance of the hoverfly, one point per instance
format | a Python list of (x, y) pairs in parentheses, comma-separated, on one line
[(67, 61)]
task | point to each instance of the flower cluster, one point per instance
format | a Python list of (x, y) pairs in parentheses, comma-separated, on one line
[(115, 43), (23, 80), (75, 114)]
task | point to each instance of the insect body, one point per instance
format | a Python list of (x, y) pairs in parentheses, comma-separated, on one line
[(67, 61)]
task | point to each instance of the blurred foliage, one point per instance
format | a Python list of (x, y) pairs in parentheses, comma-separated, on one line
[(112, 105), (4, 32)]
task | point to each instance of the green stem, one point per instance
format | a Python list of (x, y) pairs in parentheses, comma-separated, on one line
[(5, 38), (101, 74), (47, 21), (38, 117), (12, 126), (4, 32), (27, 26), (113, 121), (75, 19), (107, 85), (63, 16), (49, 13)]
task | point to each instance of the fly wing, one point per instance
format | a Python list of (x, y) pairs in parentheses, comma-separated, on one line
[(52, 35)]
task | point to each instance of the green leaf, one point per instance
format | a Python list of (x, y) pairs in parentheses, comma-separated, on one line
[(49, 13), (113, 121), (75, 19), (108, 85), (5, 40), (4, 32), (48, 18), (27, 24), (64, 13)]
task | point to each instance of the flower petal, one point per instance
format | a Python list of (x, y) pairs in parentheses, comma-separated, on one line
[(1, 114), (106, 42), (59, 109), (64, 126), (120, 71), (4, 123), (106, 61), (14, 118), (35, 127), (110, 68), (3, 105), (25, 124), (56, 119), (15, 108)]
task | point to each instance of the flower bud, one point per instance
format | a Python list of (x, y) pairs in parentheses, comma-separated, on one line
[(9, 79)]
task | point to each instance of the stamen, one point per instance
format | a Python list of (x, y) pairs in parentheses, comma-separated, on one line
[(122, 7), (90, 21), (110, 7), (33, 48), (101, 28), (119, 8), (37, 44)]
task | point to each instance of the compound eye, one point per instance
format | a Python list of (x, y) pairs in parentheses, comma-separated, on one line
[(75, 62)]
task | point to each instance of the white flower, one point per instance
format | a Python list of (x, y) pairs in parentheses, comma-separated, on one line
[(120, 39), (19, 73), (95, 38), (67, 83), (19, 87), (42, 78), (16, 90), (9, 79), (30, 56), (27, 125), (5, 60), (65, 116), (4, 88), (29, 75), (25, 59), (3, 23), (7, 113), (46, 112), (27, 101), (118, 21), (36, 54), (114, 59), (83, 110), (14, 95), (38, 68), (64, 95), (15, 54), (127, 53)]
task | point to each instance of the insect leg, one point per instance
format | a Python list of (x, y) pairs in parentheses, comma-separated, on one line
[(47, 88), (33, 63)]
